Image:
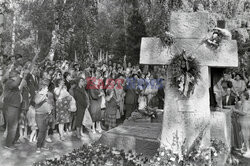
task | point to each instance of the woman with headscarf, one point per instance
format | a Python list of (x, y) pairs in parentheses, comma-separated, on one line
[(111, 108)]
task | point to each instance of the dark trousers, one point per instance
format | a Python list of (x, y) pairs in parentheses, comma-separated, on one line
[(129, 109), (4, 109), (12, 117), (236, 132), (42, 124)]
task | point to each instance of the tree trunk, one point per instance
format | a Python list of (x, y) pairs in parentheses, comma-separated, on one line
[(90, 47), (1, 30), (54, 38), (13, 34)]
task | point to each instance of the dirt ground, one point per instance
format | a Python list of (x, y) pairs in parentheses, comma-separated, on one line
[(26, 155)]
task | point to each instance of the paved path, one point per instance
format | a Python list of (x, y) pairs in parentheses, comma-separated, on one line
[(26, 154)]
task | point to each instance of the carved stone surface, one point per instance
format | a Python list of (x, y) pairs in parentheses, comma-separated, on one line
[(153, 52), (189, 25), (139, 137), (187, 123), (221, 126)]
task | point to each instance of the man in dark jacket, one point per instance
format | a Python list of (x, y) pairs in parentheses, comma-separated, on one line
[(12, 103), (82, 102), (32, 84), (229, 98)]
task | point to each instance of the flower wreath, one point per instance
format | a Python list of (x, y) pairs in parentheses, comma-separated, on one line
[(185, 72), (166, 38), (215, 39)]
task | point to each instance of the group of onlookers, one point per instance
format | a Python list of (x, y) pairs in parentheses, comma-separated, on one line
[(233, 90), (42, 98)]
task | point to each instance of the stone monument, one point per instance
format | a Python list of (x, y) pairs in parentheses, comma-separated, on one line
[(185, 119)]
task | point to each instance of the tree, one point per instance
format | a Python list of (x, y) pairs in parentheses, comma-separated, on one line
[(135, 31)]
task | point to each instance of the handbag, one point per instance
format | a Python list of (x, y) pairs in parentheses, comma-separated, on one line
[(72, 107), (87, 120), (1, 118)]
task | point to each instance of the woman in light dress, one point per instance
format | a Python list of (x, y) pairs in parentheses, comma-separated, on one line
[(239, 85), (63, 99), (245, 121), (120, 94)]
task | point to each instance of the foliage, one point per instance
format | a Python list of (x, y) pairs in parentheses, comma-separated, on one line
[(196, 155), (96, 155), (135, 31), (103, 155), (156, 15), (86, 27)]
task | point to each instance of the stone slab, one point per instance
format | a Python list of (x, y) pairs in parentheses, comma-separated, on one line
[(153, 52), (184, 126), (189, 25), (139, 137), (221, 126)]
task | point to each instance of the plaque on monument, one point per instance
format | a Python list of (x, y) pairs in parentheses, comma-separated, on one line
[(186, 105)]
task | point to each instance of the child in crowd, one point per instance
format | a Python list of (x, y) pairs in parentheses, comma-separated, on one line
[(31, 116)]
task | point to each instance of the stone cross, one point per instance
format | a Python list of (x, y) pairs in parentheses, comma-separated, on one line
[(185, 119)]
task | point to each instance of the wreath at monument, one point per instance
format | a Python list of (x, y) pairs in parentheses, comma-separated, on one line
[(185, 72)]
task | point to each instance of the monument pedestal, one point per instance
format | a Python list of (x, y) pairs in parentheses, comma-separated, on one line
[(221, 127), (138, 137)]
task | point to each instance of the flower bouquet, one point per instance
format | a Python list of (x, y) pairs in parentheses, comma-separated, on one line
[(96, 155), (166, 38)]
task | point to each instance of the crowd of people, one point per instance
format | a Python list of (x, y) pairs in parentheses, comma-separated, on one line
[(39, 99), (232, 91)]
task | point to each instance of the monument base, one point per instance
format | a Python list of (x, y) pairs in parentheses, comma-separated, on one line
[(221, 126), (139, 137), (221, 129)]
